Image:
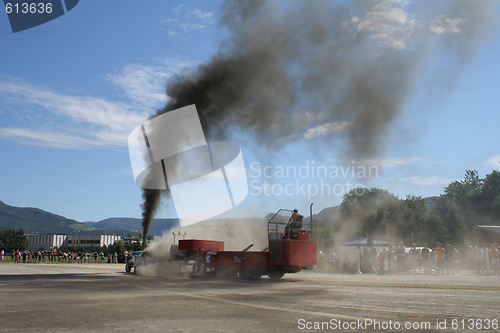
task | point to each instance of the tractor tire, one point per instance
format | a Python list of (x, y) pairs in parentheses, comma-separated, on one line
[(185, 268), (250, 275), (128, 268), (225, 274), (275, 275)]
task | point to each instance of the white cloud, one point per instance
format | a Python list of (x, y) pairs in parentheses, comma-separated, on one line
[(183, 10), (187, 20), (444, 25), (86, 121), (206, 17), (427, 181), (96, 121), (170, 20), (80, 108), (191, 26), (304, 117), (389, 23), (325, 129), (48, 139), (388, 162), (179, 8), (145, 84), (494, 162)]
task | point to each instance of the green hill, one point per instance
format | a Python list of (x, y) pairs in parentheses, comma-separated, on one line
[(328, 215), (134, 225), (34, 220)]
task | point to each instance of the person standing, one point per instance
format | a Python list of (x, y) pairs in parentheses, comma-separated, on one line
[(414, 257), (455, 260), (380, 259), (486, 258), (401, 257), (333, 260), (469, 264), (391, 258), (425, 258), (2, 254), (440, 256), (17, 254)]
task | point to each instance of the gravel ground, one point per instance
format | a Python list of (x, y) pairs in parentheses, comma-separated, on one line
[(102, 297)]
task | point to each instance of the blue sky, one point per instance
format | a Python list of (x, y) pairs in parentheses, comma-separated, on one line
[(71, 91)]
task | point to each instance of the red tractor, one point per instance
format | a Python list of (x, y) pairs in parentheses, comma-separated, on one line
[(291, 249)]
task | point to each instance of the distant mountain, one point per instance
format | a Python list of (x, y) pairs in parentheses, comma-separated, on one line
[(328, 214), (34, 220), (134, 225)]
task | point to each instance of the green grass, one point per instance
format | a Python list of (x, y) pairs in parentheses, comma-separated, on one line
[(6, 260), (9, 260)]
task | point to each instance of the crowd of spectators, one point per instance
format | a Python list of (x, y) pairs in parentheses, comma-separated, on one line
[(26, 256), (439, 259)]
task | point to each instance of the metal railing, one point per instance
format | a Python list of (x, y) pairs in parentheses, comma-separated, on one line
[(278, 227)]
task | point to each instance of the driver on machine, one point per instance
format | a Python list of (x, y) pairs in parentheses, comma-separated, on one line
[(295, 222), (294, 217)]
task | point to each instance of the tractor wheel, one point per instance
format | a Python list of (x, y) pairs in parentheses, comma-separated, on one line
[(185, 267), (250, 275), (225, 274), (276, 275), (128, 268), (208, 273)]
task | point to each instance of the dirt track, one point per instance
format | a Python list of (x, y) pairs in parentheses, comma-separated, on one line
[(92, 297)]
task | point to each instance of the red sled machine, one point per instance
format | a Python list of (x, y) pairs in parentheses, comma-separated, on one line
[(291, 248)]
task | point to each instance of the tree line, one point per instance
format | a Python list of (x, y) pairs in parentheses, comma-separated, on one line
[(11, 239), (449, 218)]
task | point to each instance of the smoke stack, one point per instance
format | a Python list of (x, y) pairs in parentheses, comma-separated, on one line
[(151, 201)]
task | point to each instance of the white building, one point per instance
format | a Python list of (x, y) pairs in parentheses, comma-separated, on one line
[(47, 242), (50, 241), (92, 240)]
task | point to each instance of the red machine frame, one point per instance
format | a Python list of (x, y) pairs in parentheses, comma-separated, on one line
[(290, 250)]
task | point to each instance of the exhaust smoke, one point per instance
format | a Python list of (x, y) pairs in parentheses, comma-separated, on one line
[(321, 70)]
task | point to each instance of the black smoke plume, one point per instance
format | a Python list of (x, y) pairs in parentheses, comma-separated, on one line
[(320, 70), (150, 205)]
